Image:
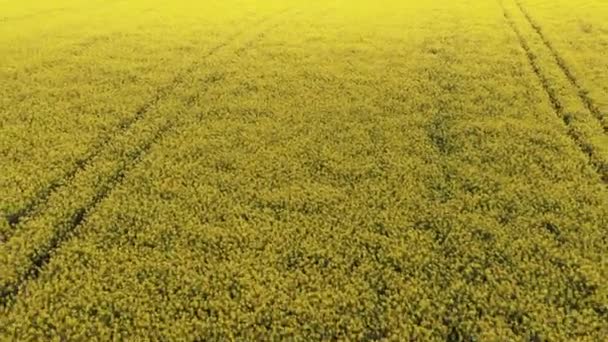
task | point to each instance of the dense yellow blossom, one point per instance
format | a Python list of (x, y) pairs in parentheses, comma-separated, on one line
[(303, 170)]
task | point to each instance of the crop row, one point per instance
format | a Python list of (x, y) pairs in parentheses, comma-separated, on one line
[(75, 121), (568, 103), (582, 51), (72, 100), (65, 207)]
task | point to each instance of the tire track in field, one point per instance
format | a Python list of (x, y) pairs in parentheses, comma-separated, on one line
[(583, 288), (77, 218), (161, 92), (80, 164), (582, 94), (599, 165), (36, 259)]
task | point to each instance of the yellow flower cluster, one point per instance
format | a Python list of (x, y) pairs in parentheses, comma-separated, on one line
[(301, 170)]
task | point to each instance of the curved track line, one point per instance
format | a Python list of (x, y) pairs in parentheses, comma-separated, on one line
[(80, 164), (598, 165), (10, 291), (582, 94)]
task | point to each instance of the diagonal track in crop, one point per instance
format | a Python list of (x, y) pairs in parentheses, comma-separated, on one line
[(77, 218), (587, 101), (600, 166), (42, 196), (38, 258)]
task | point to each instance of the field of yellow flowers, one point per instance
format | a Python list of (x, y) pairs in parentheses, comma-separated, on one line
[(304, 170)]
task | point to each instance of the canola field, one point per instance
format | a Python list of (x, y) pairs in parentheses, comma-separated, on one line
[(304, 170)]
